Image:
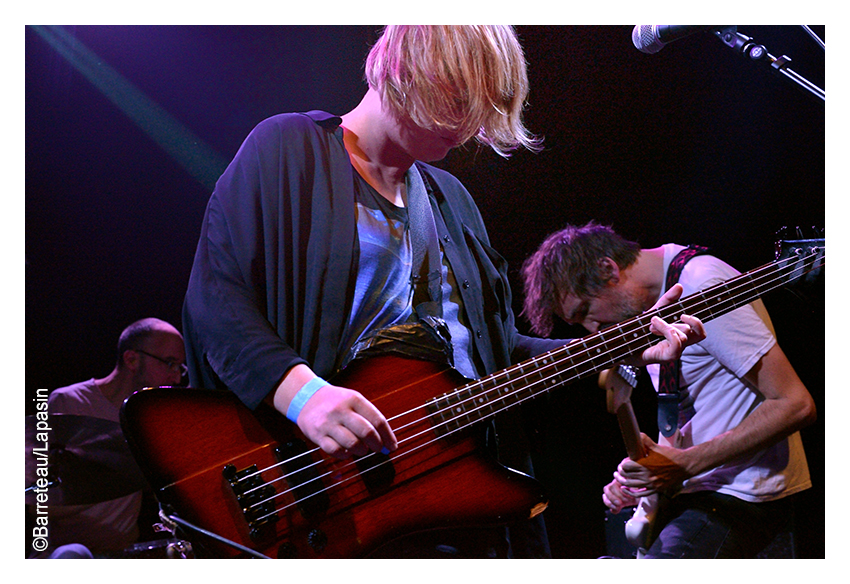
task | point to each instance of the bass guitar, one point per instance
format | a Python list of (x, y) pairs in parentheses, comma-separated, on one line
[(252, 483)]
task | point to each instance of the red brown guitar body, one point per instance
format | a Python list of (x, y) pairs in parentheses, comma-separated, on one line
[(185, 439), (251, 478)]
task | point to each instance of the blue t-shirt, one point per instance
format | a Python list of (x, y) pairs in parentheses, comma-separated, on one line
[(383, 294)]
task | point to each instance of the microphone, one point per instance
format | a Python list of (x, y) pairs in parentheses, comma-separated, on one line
[(651, 38)]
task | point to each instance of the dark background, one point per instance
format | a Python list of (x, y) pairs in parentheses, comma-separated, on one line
[(127, 129)]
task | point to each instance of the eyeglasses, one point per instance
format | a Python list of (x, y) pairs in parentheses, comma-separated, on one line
[(173, 365)]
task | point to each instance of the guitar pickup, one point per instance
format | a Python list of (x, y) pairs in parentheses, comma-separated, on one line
[(302, 477), (377, 471)]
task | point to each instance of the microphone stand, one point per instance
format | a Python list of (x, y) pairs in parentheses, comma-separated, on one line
[(759, 54)]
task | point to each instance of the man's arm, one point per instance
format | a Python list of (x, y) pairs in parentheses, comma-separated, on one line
[(787, 408)]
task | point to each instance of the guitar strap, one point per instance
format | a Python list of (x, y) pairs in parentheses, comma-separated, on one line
[(427, 269), (425, 335), (668, 378)]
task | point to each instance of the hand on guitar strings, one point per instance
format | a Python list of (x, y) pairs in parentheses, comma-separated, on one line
[(343, 423), (662, 470), (338, 420), (617, 499), (688, 331)]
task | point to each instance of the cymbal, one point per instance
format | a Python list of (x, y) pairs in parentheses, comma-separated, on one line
[(87, 459)]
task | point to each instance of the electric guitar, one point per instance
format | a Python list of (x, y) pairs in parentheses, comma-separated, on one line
[(255, 486), (618, 384)]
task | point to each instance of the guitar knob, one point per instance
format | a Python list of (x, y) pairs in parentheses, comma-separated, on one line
[(287, 551), (317, 539), (228, 472)]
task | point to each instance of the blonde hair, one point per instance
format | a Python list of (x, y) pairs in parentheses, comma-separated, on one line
[(467, 80)]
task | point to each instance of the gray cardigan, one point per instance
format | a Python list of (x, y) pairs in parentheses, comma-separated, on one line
[(271, 284)]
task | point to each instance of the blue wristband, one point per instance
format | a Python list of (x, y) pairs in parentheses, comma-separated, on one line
[(305, 393)]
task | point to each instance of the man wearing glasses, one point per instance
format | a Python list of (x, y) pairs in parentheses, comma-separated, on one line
[(150, 354)]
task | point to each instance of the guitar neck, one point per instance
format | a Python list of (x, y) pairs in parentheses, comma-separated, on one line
[(500, 391), (631, 431)]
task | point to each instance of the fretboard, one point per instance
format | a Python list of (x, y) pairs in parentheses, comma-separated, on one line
[(497, 392)]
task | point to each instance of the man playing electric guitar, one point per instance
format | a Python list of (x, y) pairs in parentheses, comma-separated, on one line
[(732, 455)]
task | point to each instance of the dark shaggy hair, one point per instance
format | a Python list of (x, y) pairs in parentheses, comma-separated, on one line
[(568, 263)]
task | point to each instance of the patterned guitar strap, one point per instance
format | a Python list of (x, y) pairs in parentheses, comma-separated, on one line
[(670, 416)]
